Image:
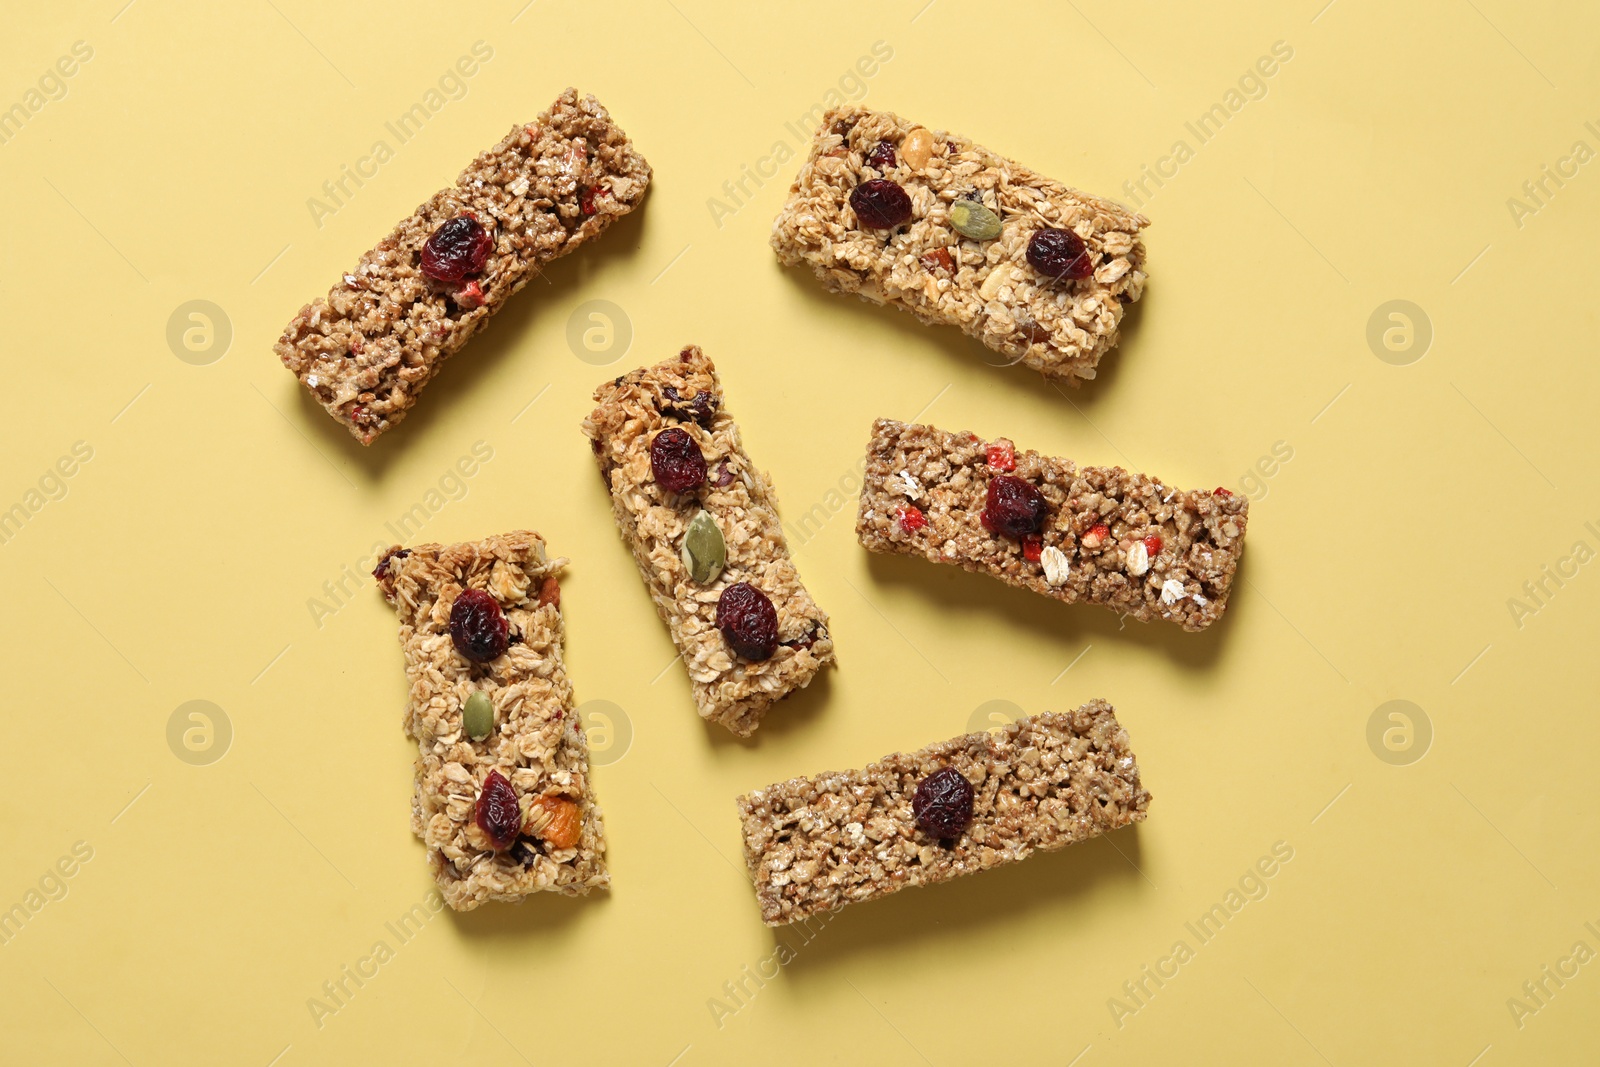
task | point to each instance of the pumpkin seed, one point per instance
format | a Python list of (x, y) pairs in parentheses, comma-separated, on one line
[(972, 219), (478, 716), (704, 551)]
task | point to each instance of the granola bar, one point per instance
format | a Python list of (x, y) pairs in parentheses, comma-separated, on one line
[(701, 520), (368, 348), (1040, 784), (530, 739), (1106, 536), (957, 243)]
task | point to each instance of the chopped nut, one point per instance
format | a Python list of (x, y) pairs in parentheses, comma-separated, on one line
[(917, 148), (1056, 566), (1138, 559)]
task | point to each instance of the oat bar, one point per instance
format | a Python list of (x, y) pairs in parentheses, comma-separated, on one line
[(530, 739), (702, 523), (368, 348), (1040, 784), (1104, 535), (961, 239)]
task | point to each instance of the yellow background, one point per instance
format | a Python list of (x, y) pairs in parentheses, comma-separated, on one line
[(1376, 166)]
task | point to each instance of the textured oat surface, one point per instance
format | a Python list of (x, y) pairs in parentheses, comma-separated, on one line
[(686, 392), (987, 288), (537, 742), (367, 349), (946, 476), (815, 844)]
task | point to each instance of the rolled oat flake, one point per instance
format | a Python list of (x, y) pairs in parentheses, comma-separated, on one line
[(704, 551)]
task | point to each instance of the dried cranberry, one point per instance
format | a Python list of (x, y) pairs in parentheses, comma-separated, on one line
[(943, 804), (498, 814), (383, 564), (1152, 544), (1219, 491), (1059, 254), (586, 200), (478, 627), (1002, 456), (911, 518), (748, 621), (1013, 507), (701, 408), (880, 204), (459, 247), (1032, 548), (675, 460), (881, 156)]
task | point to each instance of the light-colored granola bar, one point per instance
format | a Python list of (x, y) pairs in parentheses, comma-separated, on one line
[(536, 742), (987, 287), (368, 348), (1040, 784), (685, 393), (1121, 540)]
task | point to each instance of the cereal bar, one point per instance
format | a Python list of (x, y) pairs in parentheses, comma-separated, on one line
[(702, 523), (960, 806), (367, 349), (1099, 534), (502, 798), (941, 227)]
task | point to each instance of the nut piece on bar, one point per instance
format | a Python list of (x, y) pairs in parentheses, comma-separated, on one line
[(1098, 534), (701, 520), (960, 806), (929, 222), (368, 348), (502, 799)]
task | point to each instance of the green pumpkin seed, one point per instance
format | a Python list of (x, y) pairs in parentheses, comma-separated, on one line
[(972, 219), (478, 716), (704, 552)]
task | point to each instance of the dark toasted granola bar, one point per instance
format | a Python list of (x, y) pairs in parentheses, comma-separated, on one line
[(1040, 784), (986, 287), (685, 392), (536, 742), (368, 348), (1165, 553)]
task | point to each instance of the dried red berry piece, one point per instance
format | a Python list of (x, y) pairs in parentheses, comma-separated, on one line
[(497, 813), (1096, 536), (459, 247), (470, 295), (1002, 456), (748, 621), (676, 461), (1059, 254), (1032, 548), (700, 407), (478, 628), (880, 204), (1013, 507), (881, 156), (1219, 491), (943, 804), (586, 200), (1152, 544), (911, 519)]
